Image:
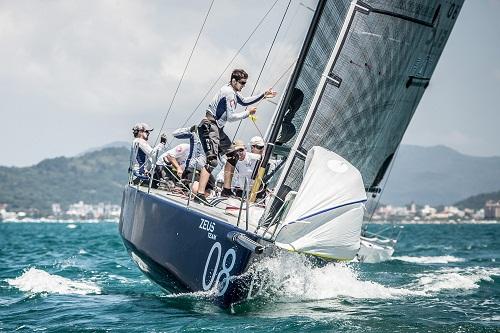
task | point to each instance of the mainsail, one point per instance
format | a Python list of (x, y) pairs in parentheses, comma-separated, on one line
[(363, 76)]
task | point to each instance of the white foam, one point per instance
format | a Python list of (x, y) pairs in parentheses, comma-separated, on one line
[(297, 278), (429, 260), (455, 279), (38, 281), (71, 226), (293, 276)]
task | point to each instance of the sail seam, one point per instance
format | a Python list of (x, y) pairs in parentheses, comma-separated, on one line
[(331, 208)]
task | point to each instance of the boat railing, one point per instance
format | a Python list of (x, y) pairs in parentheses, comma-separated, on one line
[(243, 213), (383, 239)]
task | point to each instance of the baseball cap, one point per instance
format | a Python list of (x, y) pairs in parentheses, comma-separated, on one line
[(141, 127), (257, 141), (237, 144)]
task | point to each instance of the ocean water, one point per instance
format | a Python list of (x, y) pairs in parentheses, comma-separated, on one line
[(77, 277)]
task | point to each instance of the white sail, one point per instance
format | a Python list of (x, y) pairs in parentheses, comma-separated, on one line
[(326, 215)]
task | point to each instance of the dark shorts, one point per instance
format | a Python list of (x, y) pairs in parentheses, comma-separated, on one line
[(188, 176), (214, 140)]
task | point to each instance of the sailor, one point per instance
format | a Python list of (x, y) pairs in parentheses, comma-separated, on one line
[(211, 129), (186, 160), (174, 160), (142, 153), (244, 167)]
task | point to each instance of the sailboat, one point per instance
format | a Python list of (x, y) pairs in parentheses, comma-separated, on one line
[(362, 69)]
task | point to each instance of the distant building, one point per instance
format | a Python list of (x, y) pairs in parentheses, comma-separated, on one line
[(492, 210), (428, 211), (56, 209), (413, 208)]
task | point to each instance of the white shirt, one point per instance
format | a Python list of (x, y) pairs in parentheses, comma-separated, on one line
[(181, 154), (244, 169), (223, 106), (141, 144)]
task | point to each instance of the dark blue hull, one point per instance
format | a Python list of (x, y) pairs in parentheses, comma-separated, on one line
[(183, 249)]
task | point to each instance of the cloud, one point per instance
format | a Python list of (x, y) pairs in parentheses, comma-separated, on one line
[(103, 65), (496, 74)]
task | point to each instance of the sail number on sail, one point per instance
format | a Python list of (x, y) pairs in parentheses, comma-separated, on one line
[(222, 278)]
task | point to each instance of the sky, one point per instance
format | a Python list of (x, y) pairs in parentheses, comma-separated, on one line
[(75, 75)]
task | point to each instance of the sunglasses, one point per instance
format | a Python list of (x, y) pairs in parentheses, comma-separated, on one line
[(241, 150), (258, 147), (242, 82)]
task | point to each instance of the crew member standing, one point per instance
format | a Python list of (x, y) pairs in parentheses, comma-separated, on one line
[(211, 129)]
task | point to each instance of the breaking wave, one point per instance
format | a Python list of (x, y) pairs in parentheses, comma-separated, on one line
[(455, 279), (38, 281), (429, 260)]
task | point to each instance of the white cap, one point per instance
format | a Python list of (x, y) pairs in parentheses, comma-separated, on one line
[(141, 127), (257, 141)]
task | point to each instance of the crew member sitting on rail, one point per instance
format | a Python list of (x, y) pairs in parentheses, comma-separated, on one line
[(142, 153), (211, 129)]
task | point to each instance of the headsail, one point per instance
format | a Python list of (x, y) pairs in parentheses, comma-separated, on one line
[(326, 215)]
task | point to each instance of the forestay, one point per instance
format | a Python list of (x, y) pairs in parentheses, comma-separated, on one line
[(326, 215)]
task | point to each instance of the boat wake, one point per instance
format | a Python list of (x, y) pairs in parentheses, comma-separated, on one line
[(429, 260), (455, 279), (294, 277), (38, 281)]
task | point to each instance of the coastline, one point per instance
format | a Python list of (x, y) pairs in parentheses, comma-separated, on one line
[(399, 222)]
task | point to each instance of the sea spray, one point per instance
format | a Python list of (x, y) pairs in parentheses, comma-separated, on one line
[(295, 276), (35, 280)]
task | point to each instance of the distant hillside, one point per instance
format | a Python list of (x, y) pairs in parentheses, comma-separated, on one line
[(98, 176), (478, 201), (425, 175), (115, 144), (439, 175)]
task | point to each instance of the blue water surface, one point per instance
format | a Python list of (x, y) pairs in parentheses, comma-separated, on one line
[(77, 277)]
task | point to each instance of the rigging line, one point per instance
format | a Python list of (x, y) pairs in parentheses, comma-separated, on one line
[(257, 127), (274, 84), (265, 61), (185, 69), (385, 183), (230, 62)]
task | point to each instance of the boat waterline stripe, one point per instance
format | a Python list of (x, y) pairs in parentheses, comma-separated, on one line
[(332, 208)]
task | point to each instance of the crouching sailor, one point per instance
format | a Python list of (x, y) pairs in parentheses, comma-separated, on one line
[(142, 154), (214, 140)]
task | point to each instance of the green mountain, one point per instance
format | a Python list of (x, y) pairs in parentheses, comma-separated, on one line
[(97, 176), (424, 175), (478, 201), (439, 175)]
